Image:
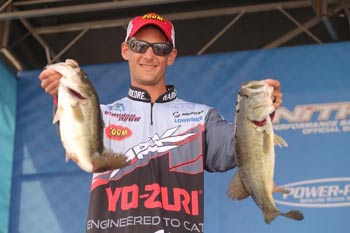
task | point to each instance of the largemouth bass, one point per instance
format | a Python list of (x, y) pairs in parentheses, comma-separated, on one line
[(255, 154), (80, 122)]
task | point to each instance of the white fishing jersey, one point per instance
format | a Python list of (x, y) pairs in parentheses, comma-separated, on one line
[(169, 144)]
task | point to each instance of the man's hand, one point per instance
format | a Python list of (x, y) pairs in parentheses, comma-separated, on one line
[(276, 94), (50, 80)]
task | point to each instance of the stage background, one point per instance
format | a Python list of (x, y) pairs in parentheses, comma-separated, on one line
[(8, 93), (50, 195)]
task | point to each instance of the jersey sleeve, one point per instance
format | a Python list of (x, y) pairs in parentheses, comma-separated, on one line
[(219, 140)]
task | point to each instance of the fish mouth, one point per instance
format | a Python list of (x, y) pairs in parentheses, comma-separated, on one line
[(76, 94), (263, 122), (259, 123), (253, 87)]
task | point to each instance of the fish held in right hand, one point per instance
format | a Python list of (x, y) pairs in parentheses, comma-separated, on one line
[(80, 123)]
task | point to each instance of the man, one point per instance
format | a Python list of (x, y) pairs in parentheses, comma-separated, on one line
[(162, 189)]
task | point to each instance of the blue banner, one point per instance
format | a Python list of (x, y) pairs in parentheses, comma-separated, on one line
[(8, 91), (52, 195)]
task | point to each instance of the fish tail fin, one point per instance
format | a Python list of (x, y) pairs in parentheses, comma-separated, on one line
[(236, 190), (280, 141), (108, 161), (294, 214)]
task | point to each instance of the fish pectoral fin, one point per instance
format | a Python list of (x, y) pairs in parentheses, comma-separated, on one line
[(279, 189), (58, 114), (280, 141), (78, 113), (108, 161), (236, 190)]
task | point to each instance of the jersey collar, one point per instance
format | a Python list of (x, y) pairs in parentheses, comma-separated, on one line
[(139, 94)]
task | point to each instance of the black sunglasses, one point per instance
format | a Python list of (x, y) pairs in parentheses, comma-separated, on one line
[(159, 49)]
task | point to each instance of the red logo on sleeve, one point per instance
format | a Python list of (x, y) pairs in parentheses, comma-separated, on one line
[(117, 132)]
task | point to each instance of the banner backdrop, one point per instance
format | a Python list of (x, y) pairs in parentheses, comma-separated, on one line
[(52, 195), (8, 91)]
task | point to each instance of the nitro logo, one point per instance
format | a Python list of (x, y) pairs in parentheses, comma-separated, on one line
[(153, 196), (315, 118), (319, 193)]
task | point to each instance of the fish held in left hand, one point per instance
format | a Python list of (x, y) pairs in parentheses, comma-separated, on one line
[(255, 154), (80, 122)]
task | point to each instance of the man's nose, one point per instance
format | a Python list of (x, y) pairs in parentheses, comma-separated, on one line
[(149, 52)]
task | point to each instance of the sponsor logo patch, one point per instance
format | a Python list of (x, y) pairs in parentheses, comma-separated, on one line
[(117, 132), (126, 117), (184, 117), (153, 16), (118, 107), (130, 197)]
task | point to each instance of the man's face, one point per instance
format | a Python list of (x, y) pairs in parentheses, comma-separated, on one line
[(148, 68)]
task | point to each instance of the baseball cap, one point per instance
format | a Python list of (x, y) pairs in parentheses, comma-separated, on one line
[(138, 22)]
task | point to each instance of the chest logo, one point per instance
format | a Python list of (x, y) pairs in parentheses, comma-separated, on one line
[(117, 132)]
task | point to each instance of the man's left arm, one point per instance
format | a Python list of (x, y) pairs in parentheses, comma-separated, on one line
[(219, 143)]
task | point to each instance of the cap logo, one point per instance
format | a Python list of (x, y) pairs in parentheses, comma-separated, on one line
[(148, 19), (153, 16)]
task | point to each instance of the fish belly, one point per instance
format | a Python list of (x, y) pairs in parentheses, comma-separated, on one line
[(256, 162), (76, 138)]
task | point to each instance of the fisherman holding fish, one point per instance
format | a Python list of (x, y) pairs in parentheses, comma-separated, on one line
[(158, 184)]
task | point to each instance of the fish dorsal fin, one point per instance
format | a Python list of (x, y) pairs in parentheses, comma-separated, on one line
[(280, 141)]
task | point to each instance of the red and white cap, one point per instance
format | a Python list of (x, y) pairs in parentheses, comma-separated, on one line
[(151, 19)]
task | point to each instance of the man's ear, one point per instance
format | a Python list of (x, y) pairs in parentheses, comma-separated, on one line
[(172, 56), (124, 50)]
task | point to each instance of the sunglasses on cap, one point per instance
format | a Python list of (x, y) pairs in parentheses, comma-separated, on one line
[(159, 49)]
